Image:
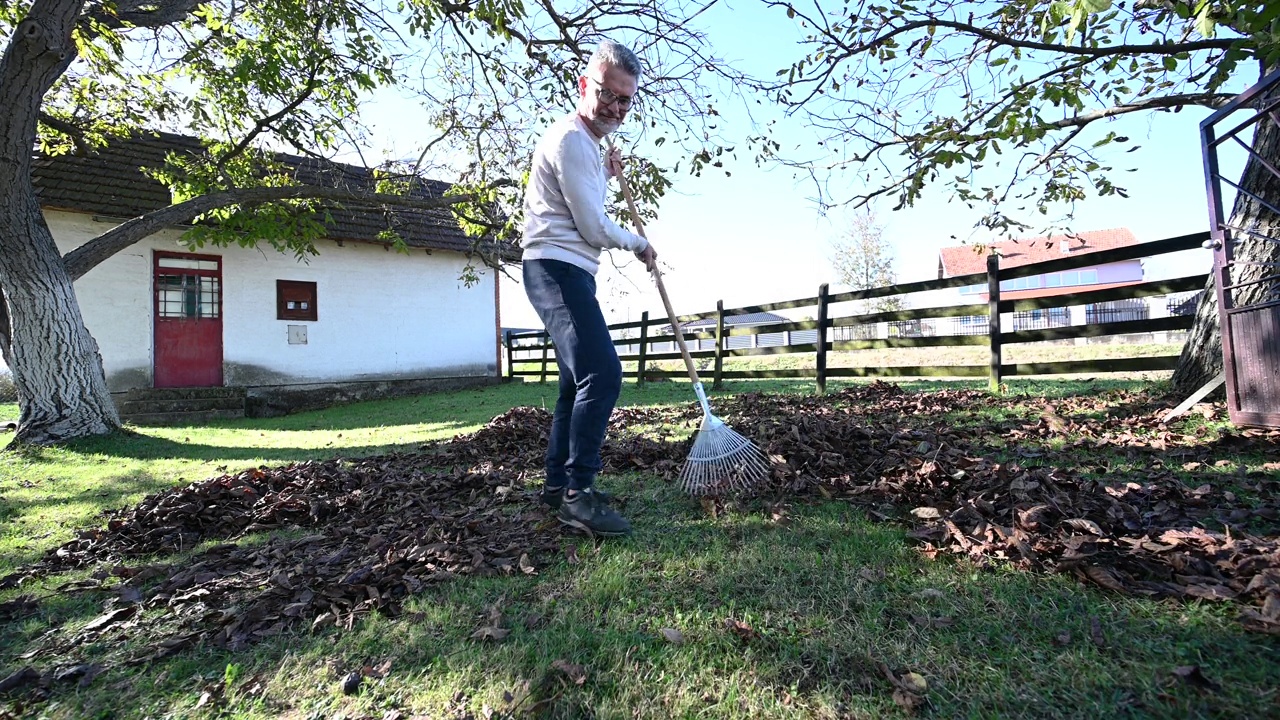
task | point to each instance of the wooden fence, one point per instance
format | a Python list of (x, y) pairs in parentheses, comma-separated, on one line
[(533, 352)]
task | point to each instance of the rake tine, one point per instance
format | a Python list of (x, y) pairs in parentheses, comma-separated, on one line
[(721, 459)]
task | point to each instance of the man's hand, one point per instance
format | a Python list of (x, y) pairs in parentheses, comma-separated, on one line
[(649, 257), (613, 162)]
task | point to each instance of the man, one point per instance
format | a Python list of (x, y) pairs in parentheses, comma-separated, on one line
[(565, 229)]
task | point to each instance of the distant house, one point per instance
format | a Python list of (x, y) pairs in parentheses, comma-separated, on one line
[(966, 260), (357, 320)]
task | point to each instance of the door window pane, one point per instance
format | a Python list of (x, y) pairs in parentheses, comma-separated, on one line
[(187, 296), (187, 263)]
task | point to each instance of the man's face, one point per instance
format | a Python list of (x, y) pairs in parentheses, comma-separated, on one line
[(605, 95)]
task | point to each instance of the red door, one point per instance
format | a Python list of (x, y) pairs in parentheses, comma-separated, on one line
[(188, 301)]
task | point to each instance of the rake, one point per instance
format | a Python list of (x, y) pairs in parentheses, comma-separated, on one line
[(721, 459)]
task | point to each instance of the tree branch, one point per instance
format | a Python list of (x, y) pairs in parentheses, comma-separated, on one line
[(87, 256), (139, 13), (69, 129), (847, 51), (1006, 40), (263, 123), (1210, 100)]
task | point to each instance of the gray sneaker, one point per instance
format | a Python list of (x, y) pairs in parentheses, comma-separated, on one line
[(590, 511), (553, 496)]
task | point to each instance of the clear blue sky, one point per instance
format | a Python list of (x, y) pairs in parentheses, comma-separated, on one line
[(757, 236)]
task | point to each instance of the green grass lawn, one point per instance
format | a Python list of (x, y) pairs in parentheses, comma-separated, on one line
[(828, 603)]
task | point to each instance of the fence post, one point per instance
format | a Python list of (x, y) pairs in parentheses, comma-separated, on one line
[(719, 368), (511, 355), (545, 345), (644, 346), (822, 339), (993, 319)]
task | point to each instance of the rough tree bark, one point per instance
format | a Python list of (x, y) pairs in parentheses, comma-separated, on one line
[(67, 398), (1202, 355)]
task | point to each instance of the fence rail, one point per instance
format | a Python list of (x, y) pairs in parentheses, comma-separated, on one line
[(994, 323)]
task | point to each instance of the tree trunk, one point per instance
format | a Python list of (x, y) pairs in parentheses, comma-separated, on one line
[(62, 390), (1202, 355)]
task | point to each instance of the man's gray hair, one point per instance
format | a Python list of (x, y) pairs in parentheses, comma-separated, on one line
[(619, 56)]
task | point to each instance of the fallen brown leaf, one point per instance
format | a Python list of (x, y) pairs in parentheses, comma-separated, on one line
[(576, 673), (526, 566), (909, 702), (492, 634), (1095, 633), (104, 621), (744, 631), (1193, 675), (19, 679)]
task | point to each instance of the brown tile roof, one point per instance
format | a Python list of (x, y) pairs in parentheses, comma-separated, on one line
[(110, 183), (965, 259)]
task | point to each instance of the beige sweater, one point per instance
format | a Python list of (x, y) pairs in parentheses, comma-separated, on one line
[(564, 200)]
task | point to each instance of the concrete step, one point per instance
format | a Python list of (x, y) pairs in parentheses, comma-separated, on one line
[(181, 406), (182, 418), (177, 405), (140, 394)]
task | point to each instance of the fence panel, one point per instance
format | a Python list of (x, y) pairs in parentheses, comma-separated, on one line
[(1145, 307)]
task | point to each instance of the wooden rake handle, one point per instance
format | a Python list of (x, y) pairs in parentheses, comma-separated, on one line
[(657, 275)]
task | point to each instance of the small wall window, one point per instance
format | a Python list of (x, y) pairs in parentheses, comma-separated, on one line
[(295, 300)]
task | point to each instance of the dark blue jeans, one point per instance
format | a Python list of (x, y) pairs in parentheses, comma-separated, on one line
[(564, 297)]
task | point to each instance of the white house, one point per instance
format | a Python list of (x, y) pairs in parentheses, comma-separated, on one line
[(359, 320), (745, 320)]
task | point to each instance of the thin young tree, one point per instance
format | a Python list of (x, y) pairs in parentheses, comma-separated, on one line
[(1003, 107), (864, 260)]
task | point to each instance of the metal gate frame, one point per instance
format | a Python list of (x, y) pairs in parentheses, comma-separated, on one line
[(1222, 240)]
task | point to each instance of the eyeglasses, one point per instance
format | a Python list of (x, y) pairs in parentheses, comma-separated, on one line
[(608, 97)]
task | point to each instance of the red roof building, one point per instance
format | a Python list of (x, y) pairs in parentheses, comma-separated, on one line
[(969, 259)]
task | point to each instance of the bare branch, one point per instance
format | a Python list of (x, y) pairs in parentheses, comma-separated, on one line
[(1210, 100), (267, 122), (1166, 48)]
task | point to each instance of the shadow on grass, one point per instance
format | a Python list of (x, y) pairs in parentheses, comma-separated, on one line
[(828, 599), (21, 513), (138, 444)]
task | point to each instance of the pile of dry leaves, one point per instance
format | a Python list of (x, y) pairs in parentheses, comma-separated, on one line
[(1140, 531), (365, 533)]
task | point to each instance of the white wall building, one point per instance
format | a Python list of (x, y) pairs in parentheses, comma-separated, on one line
[(358, 320)]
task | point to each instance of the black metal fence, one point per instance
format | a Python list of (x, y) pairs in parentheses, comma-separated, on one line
[(1041, 318), (1183, 303), (1117, 311)]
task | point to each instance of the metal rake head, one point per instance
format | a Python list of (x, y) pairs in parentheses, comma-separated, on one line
[(721, 461)]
